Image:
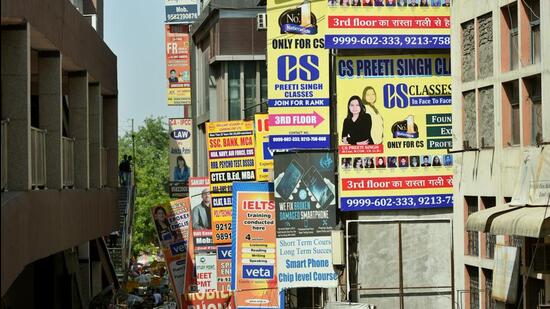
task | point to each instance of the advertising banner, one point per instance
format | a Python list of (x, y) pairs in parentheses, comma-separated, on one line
[(305, 195), (205, 265), (178, 65), (201, 214), (298, 78), (180, 156), (207, 300), (388, 24), (305, 262), (173, 228), (224, 254), (254, 279), (181, 11), (264, 155), (231, 157), (394, 129)]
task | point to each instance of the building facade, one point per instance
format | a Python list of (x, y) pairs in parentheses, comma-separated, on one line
[(500, 112), (59, 153)]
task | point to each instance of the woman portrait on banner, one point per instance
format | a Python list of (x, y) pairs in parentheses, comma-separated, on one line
[(181, 170), (165, 234), (357, 125), (377, 130)]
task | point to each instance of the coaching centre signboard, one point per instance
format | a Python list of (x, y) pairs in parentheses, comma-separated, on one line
[(254, 279), (181, 11), (305, 207), (264, 154), (298, 78), (394, 129), (231, 157), (178, 65), (389, 24), (180, 156)]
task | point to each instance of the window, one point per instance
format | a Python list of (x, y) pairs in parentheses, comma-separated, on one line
[(489, 302), (534, 99), (486, 117), (485, 45), (247, 87), (490, 239), (511, 90), (473, 242), (468, 51), (473, 273), (510, 15), (532, 7), (470, 127)]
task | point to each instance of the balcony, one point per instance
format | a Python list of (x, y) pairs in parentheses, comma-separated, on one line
[(4, 154), (38, 158), (67, 147)]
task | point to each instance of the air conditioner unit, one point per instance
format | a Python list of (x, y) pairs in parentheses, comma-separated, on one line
[(261, 21)]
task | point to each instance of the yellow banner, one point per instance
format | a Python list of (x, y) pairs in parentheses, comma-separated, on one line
[(231, 157), (394, 128), (298, 78), (264, 156)]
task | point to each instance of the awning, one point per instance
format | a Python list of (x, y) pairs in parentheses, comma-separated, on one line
[(529, 221), (481, 220)]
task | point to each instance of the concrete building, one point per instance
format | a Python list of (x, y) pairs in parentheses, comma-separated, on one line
[(229, 80), (59, 153), (501, 111)]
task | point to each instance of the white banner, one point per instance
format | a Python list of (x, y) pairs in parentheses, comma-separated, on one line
[(207, 279), (305, 262)]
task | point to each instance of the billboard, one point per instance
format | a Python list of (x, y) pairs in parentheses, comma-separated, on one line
[(388, 24), (178, 65), (180, 156), (231, 157), (201, 214), (264, 154), (205, 265), (305, 194), (298, 78), (181, 11), (394, 128), (254, 278), (224, 254), (211, 299)]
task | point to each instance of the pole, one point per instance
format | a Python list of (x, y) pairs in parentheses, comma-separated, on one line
[(133, 147)]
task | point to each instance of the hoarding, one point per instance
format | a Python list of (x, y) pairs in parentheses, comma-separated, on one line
[(298, 78), (201, 214), (394, 128), (264, 154), (180, 156), (305, 195), (224, 254), (388, 24), (254, 279), (181, 11), (178, 65), (205, 265), (213, 299)]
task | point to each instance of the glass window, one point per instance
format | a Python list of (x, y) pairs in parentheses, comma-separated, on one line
[(473, 272), (532, 8), (234, 82), (473, 240), (250, 103), (512, 93), (511, 17), (534, 97)]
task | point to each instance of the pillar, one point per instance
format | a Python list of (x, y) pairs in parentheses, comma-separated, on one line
[(51, 113), (110, 138), (95, 133), (78, 127), (16, 103)]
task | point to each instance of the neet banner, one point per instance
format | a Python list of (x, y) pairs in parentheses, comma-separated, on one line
[(388, 24), (305, 198), (253, 277), (264, 155), (394, 129), (180, 156), (178, 65), (205, 265), (201, 214), (181, 11), (298, 75), (231, 157)]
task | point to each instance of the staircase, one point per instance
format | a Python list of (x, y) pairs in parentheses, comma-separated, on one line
[(119, 250)]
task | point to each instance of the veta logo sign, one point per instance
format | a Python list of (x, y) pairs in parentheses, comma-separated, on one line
[(306, 67), (180, 134), (299, 20), (257, 272)]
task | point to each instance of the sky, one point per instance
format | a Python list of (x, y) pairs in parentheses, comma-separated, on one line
[(134, 30)]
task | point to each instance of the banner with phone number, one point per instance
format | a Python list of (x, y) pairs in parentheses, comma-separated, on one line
[(264, 154), (305, 195), (399, 24), (231, 157), (298, 78), (254, 279), (394, 129), (178, 64)]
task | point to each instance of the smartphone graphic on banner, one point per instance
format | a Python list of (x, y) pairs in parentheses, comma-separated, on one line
[(317, 186), (293, 174)]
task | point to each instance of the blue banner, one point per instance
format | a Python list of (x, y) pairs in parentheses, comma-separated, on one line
[(368, 41), (396, 202)]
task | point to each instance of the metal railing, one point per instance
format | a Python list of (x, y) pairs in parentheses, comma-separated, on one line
[(38, 157), (473, 244), (4, 154), (103, 172), (67, 148), (491, 241)]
